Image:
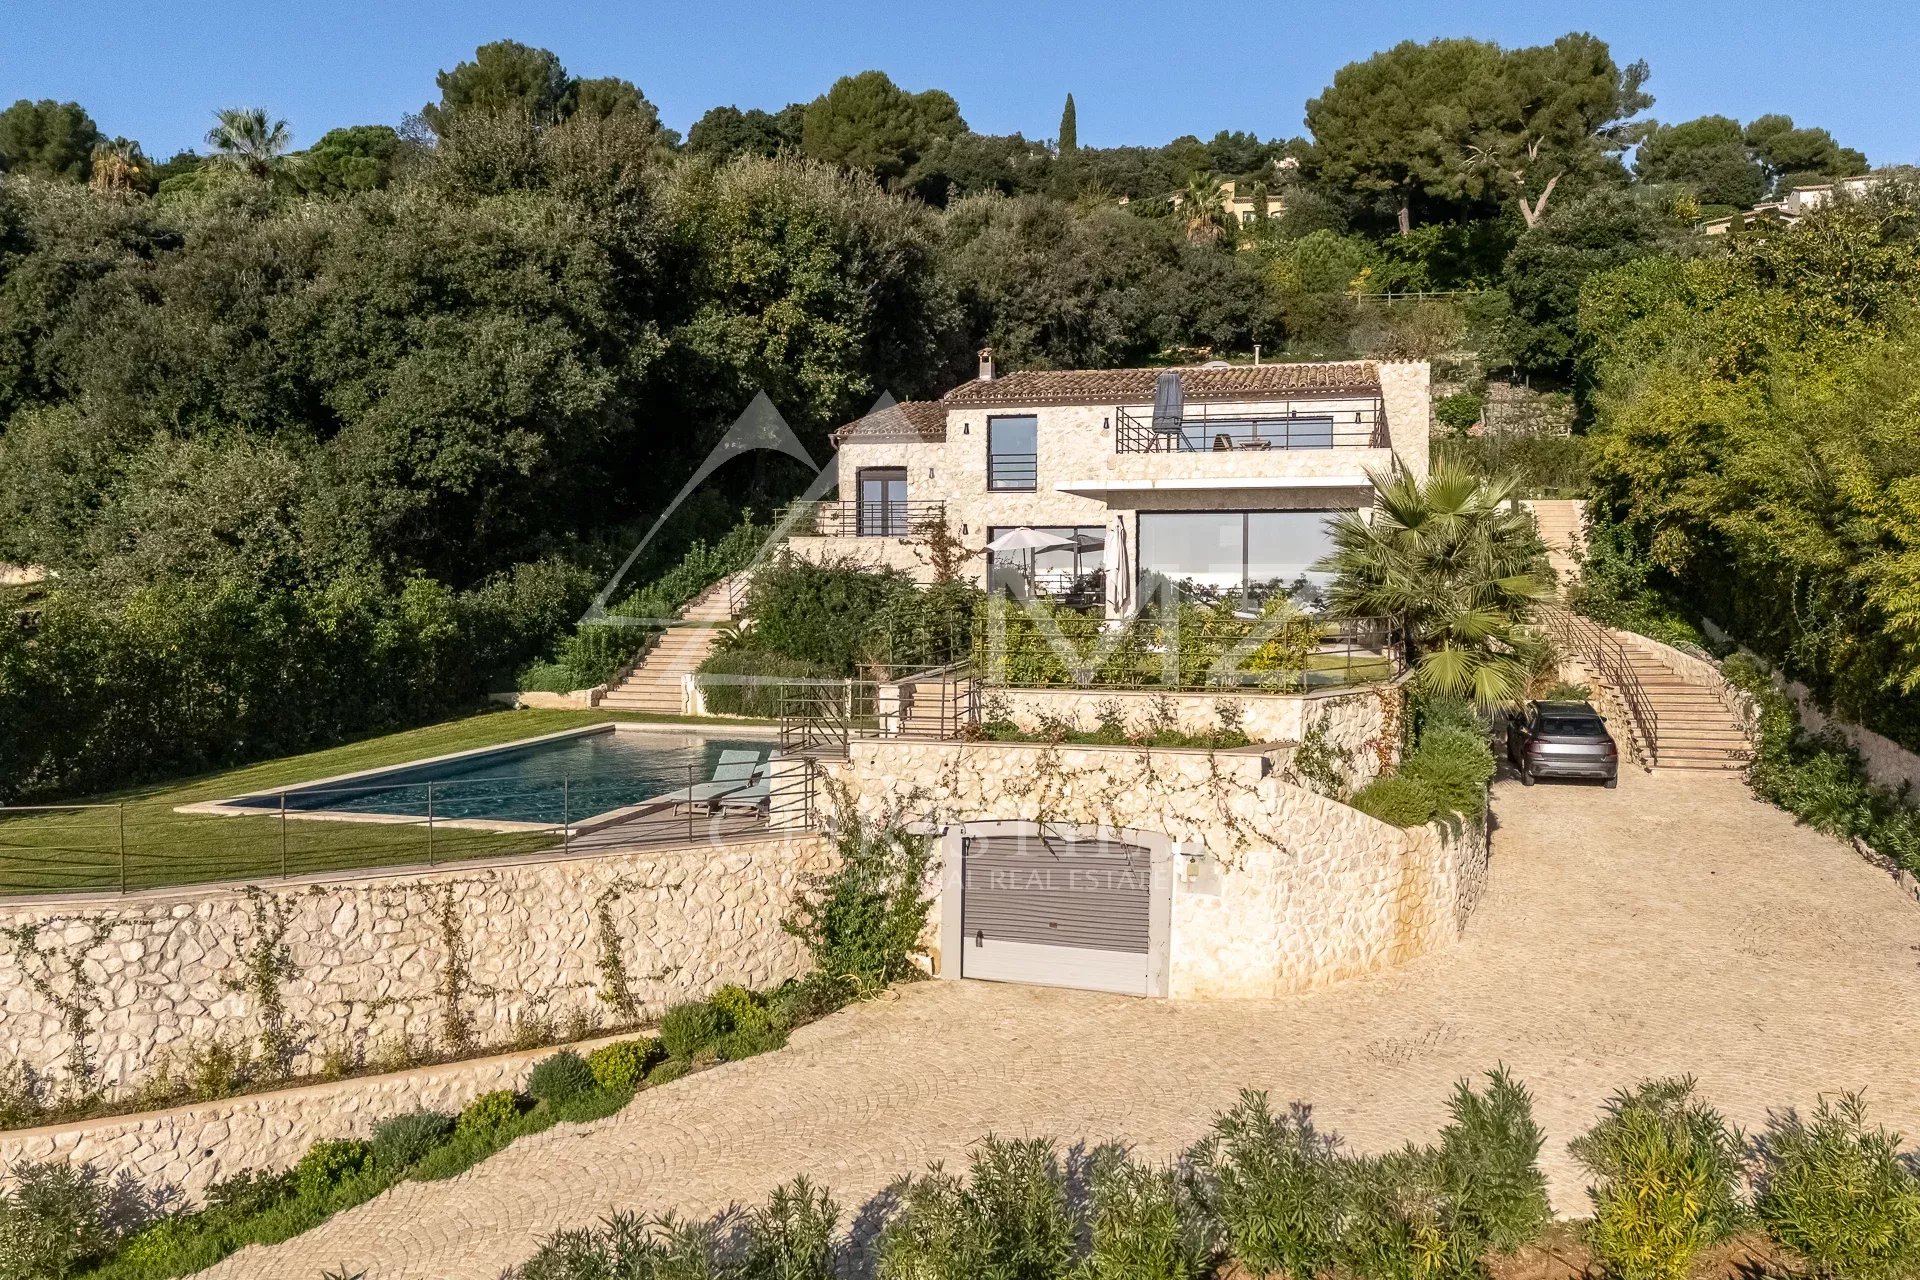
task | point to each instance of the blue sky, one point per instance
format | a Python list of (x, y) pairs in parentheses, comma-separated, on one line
[(1139, 72)]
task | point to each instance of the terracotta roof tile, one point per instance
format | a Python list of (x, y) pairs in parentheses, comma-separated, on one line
[(1135, 386), (908, 420)]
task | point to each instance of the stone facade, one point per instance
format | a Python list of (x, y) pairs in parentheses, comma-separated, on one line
[(1082, 479), (437, 956), (1282, 890), (181, 1151)]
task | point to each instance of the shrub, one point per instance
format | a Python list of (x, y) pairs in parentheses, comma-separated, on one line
[(794, 1004), (1455, 764), (1273, 1183), (544, 677), (1021, 1194), (22, 1094), (53, 1219), (863, 920), (1396, 799), (561, 1078), (329, 1164), (1491, 1160), (623, 1064), (725, 697), (748, 1041), (630, 1246), (689, 1028), (402, 1140), (488, 1112), (1839, 1194), (741, 1007), (1147, 1225), (937, 1233), (669, 1071), (1567, 691), (249, 1192), (1665, 1166), (1399, 1221), (794, 1237), (1457, 411)]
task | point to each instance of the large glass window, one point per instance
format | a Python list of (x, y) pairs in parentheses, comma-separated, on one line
[(882, 509), (1072, 570), (1287, 432), (1252, 553), (1013, 452)]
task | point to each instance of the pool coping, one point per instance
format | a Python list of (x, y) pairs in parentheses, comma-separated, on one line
[(232, 807)]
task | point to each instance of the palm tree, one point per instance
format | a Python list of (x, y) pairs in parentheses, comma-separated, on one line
[(1205, 212), (1458, 567), (247, 139)]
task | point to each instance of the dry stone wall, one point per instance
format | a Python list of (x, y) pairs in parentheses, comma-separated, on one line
[(107, 993), (176, 1154), (1297, 891)]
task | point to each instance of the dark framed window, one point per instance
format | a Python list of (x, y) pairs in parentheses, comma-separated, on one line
[(881, 501), (1013, 452), (1248, 553)]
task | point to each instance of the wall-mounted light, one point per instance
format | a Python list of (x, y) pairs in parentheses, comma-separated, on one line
[(929, 473), (1103, 424), (963, 530), (966, 428)]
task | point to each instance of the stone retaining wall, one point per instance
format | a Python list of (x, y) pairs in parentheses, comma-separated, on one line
[(119, 988), (178, 1153), (1364, 723), (1295, 890)]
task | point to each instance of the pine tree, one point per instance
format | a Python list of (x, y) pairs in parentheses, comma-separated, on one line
[(1069, 129)]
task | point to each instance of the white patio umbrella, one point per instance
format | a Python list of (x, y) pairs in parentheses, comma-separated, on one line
[(1119, 571), (1029, 540)]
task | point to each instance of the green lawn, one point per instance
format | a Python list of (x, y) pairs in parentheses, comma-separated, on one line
[(81, 848)]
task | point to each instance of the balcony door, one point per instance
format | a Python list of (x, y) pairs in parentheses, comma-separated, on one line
[(882, 502)]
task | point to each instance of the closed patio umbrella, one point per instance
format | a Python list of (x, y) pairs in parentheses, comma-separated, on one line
[(1119, 571)]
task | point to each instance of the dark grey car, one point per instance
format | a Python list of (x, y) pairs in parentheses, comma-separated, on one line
[(1562, 740)]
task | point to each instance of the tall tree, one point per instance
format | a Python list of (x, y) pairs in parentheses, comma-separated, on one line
[(611, 96), (1794, 155), (504, 76), (1708, 156), (1069, 141), (356, 158), (248, 139), (120, 166), (48, 139), (724, 132), (868, 122)]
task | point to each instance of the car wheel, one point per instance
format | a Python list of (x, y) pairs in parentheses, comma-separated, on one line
[(1613, 782), (1526, 775)]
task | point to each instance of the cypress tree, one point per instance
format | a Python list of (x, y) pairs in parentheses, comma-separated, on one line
[(1069, 129)]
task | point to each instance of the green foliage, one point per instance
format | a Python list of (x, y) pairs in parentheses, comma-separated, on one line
[(1622, 587), (1665, 1168), (1146, 1224), (1396, 799), (1274, 1183), (53, 1219), (1820, 778), (561, 1077), (1019, 1189), (404, 1139), (623, 1064), (48, 139), (1708, 156), (329, 1164), (1458, 411), (493, 1110), (750, 1041), (689, 1029), (1542, 465), (725, 132), (1490, 1157), (727, 698), (1840, 1195), (358, 158), (862, 921), (1456, 567), (1455, 764), (795, 1236), (867, 122), (1399, 1221), (801, 611)]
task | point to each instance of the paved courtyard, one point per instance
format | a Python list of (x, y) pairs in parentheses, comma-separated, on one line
[(1673, 925)]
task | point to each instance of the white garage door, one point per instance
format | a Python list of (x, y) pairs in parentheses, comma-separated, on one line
[(1063, 913)]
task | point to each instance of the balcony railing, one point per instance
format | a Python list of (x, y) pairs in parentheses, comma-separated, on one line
[(1017, 471), (1224, 428), (850, 519)]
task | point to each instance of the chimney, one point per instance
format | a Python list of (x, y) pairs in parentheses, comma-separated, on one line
[(986, 364)]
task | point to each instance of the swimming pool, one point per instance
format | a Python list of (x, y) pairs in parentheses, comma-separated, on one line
[(564, 777)]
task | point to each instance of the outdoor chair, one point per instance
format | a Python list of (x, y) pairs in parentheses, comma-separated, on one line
[(735, 772)]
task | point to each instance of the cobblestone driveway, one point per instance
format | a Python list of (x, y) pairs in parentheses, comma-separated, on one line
[(1674, 925)]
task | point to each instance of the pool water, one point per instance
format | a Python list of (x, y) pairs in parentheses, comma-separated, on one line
[(568, 779)]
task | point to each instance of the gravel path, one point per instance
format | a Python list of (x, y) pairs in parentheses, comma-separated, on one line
[(1673, 925)]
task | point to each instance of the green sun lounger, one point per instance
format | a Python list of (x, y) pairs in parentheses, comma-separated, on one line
[(735, 772)]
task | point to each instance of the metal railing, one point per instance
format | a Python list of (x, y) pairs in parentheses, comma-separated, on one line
[(134, 845), (1607, 658), (1013, 471), (1225, 428), (938, 705), (853, 519), (1273, 654)]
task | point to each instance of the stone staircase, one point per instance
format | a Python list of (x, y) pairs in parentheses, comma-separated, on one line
[(1562, 524), (1693, 728), (656, 684)]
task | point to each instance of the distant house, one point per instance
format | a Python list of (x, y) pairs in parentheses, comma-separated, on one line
[(1797, 203)]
